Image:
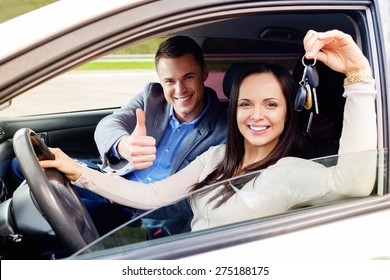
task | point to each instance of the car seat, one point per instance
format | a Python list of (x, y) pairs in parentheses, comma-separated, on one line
[(231, 73)]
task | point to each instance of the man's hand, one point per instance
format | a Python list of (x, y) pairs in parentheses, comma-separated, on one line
[(138, 148)]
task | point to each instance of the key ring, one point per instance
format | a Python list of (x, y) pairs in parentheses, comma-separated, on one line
[(303, 61)]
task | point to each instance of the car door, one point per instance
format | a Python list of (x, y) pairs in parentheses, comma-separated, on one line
[(254, 30)]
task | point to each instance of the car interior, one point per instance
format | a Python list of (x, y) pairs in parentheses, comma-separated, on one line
[(228, 44)]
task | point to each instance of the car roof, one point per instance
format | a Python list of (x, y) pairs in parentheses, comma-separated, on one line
[(41, 24)]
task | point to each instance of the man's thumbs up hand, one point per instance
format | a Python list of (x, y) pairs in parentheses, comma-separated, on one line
[(138, 148), (140, 128)]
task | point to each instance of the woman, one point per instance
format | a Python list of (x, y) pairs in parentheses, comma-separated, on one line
[(263, 134)]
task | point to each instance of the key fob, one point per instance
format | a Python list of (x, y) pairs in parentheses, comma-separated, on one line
[(312, 76), (300, 99), (309, 98)]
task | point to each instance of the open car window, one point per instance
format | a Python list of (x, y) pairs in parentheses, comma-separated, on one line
[(109, 81), (229, 32), (121, 242)]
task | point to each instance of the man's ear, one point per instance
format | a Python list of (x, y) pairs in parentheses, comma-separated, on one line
[(205, 73)]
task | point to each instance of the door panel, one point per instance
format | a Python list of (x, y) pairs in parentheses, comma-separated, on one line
[(72, 132)]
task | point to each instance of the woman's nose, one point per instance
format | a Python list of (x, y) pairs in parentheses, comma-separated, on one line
[(257, 113)]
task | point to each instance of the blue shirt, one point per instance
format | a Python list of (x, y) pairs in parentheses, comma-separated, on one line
[(171, 142)]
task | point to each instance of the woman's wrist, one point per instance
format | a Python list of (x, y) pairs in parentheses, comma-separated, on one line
[(78, 171), (362, 73), (357, 78)]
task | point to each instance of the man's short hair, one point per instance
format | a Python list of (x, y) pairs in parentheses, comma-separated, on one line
[(178, 46)]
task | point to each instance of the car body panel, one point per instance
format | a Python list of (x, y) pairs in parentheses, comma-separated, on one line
[(346, 239), (84, 34)]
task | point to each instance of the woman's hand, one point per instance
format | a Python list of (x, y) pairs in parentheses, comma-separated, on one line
[(63, 163), (337, 50)]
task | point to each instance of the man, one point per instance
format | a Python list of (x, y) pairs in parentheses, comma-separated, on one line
[(164, 128)]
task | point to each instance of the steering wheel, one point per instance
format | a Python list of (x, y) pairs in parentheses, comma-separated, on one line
[(53, 193)]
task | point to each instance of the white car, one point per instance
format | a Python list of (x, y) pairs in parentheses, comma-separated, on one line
[(44, 95)]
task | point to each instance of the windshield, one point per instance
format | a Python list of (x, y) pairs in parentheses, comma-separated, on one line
[(257, 201)]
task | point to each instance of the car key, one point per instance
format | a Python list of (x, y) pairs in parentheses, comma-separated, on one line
[(309, 122), (309, 98), (300, 99), (307, 93), (313, 81)]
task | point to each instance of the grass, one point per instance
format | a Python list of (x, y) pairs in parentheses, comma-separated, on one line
[(97, 65), (220, 65), (14, 8), (141, 65)]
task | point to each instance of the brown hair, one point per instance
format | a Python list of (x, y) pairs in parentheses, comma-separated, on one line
[(178, 46), (290, 141)]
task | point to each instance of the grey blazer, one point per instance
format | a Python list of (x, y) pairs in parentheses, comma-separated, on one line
[(209, 132)]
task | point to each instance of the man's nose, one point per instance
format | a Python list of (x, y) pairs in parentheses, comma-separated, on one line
[(179, 87)]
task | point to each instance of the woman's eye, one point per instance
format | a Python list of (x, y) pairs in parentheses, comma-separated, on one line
[(243, 104), (271, 105)]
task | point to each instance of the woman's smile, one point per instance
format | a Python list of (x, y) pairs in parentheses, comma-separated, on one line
[(258, 128)]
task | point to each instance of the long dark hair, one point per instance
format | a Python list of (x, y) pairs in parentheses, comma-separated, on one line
[(289, 144)]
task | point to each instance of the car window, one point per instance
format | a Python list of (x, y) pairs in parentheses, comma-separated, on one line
[(229, 32), (81, 90), (102, 83), (132, 236), (107, 82), (110, 81)]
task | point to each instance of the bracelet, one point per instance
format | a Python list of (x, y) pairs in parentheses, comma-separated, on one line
[(357, 78)]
